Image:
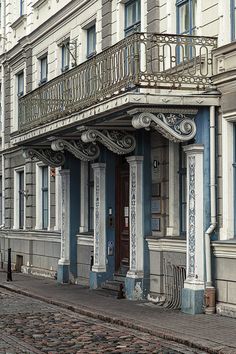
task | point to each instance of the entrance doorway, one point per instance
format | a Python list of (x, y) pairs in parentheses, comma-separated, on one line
[(122, 216)]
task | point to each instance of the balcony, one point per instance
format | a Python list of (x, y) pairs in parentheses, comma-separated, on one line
[(140, 61)]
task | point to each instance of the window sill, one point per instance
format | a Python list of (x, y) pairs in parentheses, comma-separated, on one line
[(167, 244), (224, 248), (20, 21), (39, 3)]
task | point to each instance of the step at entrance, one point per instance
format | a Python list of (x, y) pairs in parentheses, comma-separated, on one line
[(117, 285)]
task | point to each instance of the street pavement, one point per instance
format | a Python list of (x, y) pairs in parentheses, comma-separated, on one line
[(31, 326), (145, 327)]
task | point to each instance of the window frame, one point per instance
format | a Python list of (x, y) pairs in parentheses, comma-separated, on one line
[(89, 30), (136, 25), (44, 79), (232, 19), (22, 7), (19, 196), (179, 4), (182, 191), (65, 56), (19, 75), (1, 201)]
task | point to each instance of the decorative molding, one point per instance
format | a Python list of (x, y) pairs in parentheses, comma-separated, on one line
[(85, 240), (133, 218), (177, 127), (191, 217), (116, 141), (18, 22), (82, 151), (44, 154), (166, 245), (224, 249)]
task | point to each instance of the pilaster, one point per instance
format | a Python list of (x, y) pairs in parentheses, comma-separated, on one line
[(64, 261), (134, 277), (193, 292), (99, 264)]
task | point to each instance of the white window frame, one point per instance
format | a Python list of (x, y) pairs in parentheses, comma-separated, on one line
[(14, 78), (227, 229), (58, 199), (16, 197), (39, 179)]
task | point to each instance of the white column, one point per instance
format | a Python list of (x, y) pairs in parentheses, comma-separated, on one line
[(83, 196), (173, 227), (58, 199), (99, 264), (195, 226), (136, 216), (65, 218)]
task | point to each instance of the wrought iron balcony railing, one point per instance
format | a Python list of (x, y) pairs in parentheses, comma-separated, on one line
[(142, 60)]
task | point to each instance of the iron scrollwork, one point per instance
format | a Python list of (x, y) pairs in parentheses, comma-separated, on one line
[(176, 127), (82, 151), (117, 141), (46, 155)]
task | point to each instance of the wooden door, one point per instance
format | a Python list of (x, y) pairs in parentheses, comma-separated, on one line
[(122, 216)]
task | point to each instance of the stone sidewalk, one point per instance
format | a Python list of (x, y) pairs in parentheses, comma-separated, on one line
[(211, 333)]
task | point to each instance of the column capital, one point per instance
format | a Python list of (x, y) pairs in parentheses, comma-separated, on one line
[(194, 149), (100, 165), (64, 172), (131, 159)]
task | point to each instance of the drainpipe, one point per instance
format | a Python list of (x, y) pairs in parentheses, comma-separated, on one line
[(210, 290)]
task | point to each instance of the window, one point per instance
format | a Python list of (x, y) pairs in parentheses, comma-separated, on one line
[(182, 190), (186, 16), (43, 69), (91, 41), (233, 19), (22, 7), (21, 199), (65, 56), (20, 84), (132, 17), (44, 191)]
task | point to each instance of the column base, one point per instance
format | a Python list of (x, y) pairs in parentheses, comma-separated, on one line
[(192, 301), (63, 273), (97, 278), (134, 288)]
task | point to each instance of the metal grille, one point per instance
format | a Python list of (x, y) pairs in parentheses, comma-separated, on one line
[(174, 277), (139, 60)]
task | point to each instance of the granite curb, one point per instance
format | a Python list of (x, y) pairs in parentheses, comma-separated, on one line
[(202, 344)]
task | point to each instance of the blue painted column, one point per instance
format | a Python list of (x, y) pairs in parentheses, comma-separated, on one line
[(193, 292), (63, 272)]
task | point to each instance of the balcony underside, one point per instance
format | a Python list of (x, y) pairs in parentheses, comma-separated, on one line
[(114, 113)]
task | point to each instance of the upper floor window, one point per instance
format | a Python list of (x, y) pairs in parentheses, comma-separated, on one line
[(186, 16), (20, 84), (65, 56), (43, 69), (22, 7), (233, 19), (91, 41), (132, 16)]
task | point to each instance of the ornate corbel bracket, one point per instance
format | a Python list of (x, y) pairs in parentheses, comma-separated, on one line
[(82, 151), (177, 127), (116, 141), (44, 154)]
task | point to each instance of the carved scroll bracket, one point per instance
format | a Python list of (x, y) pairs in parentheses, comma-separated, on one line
[(177, 127), (116, 141), (81, 150), (44, 154)]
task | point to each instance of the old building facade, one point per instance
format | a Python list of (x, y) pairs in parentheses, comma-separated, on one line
[(117, 123)]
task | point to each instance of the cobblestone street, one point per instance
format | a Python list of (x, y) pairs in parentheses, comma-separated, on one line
[(31, 326)]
